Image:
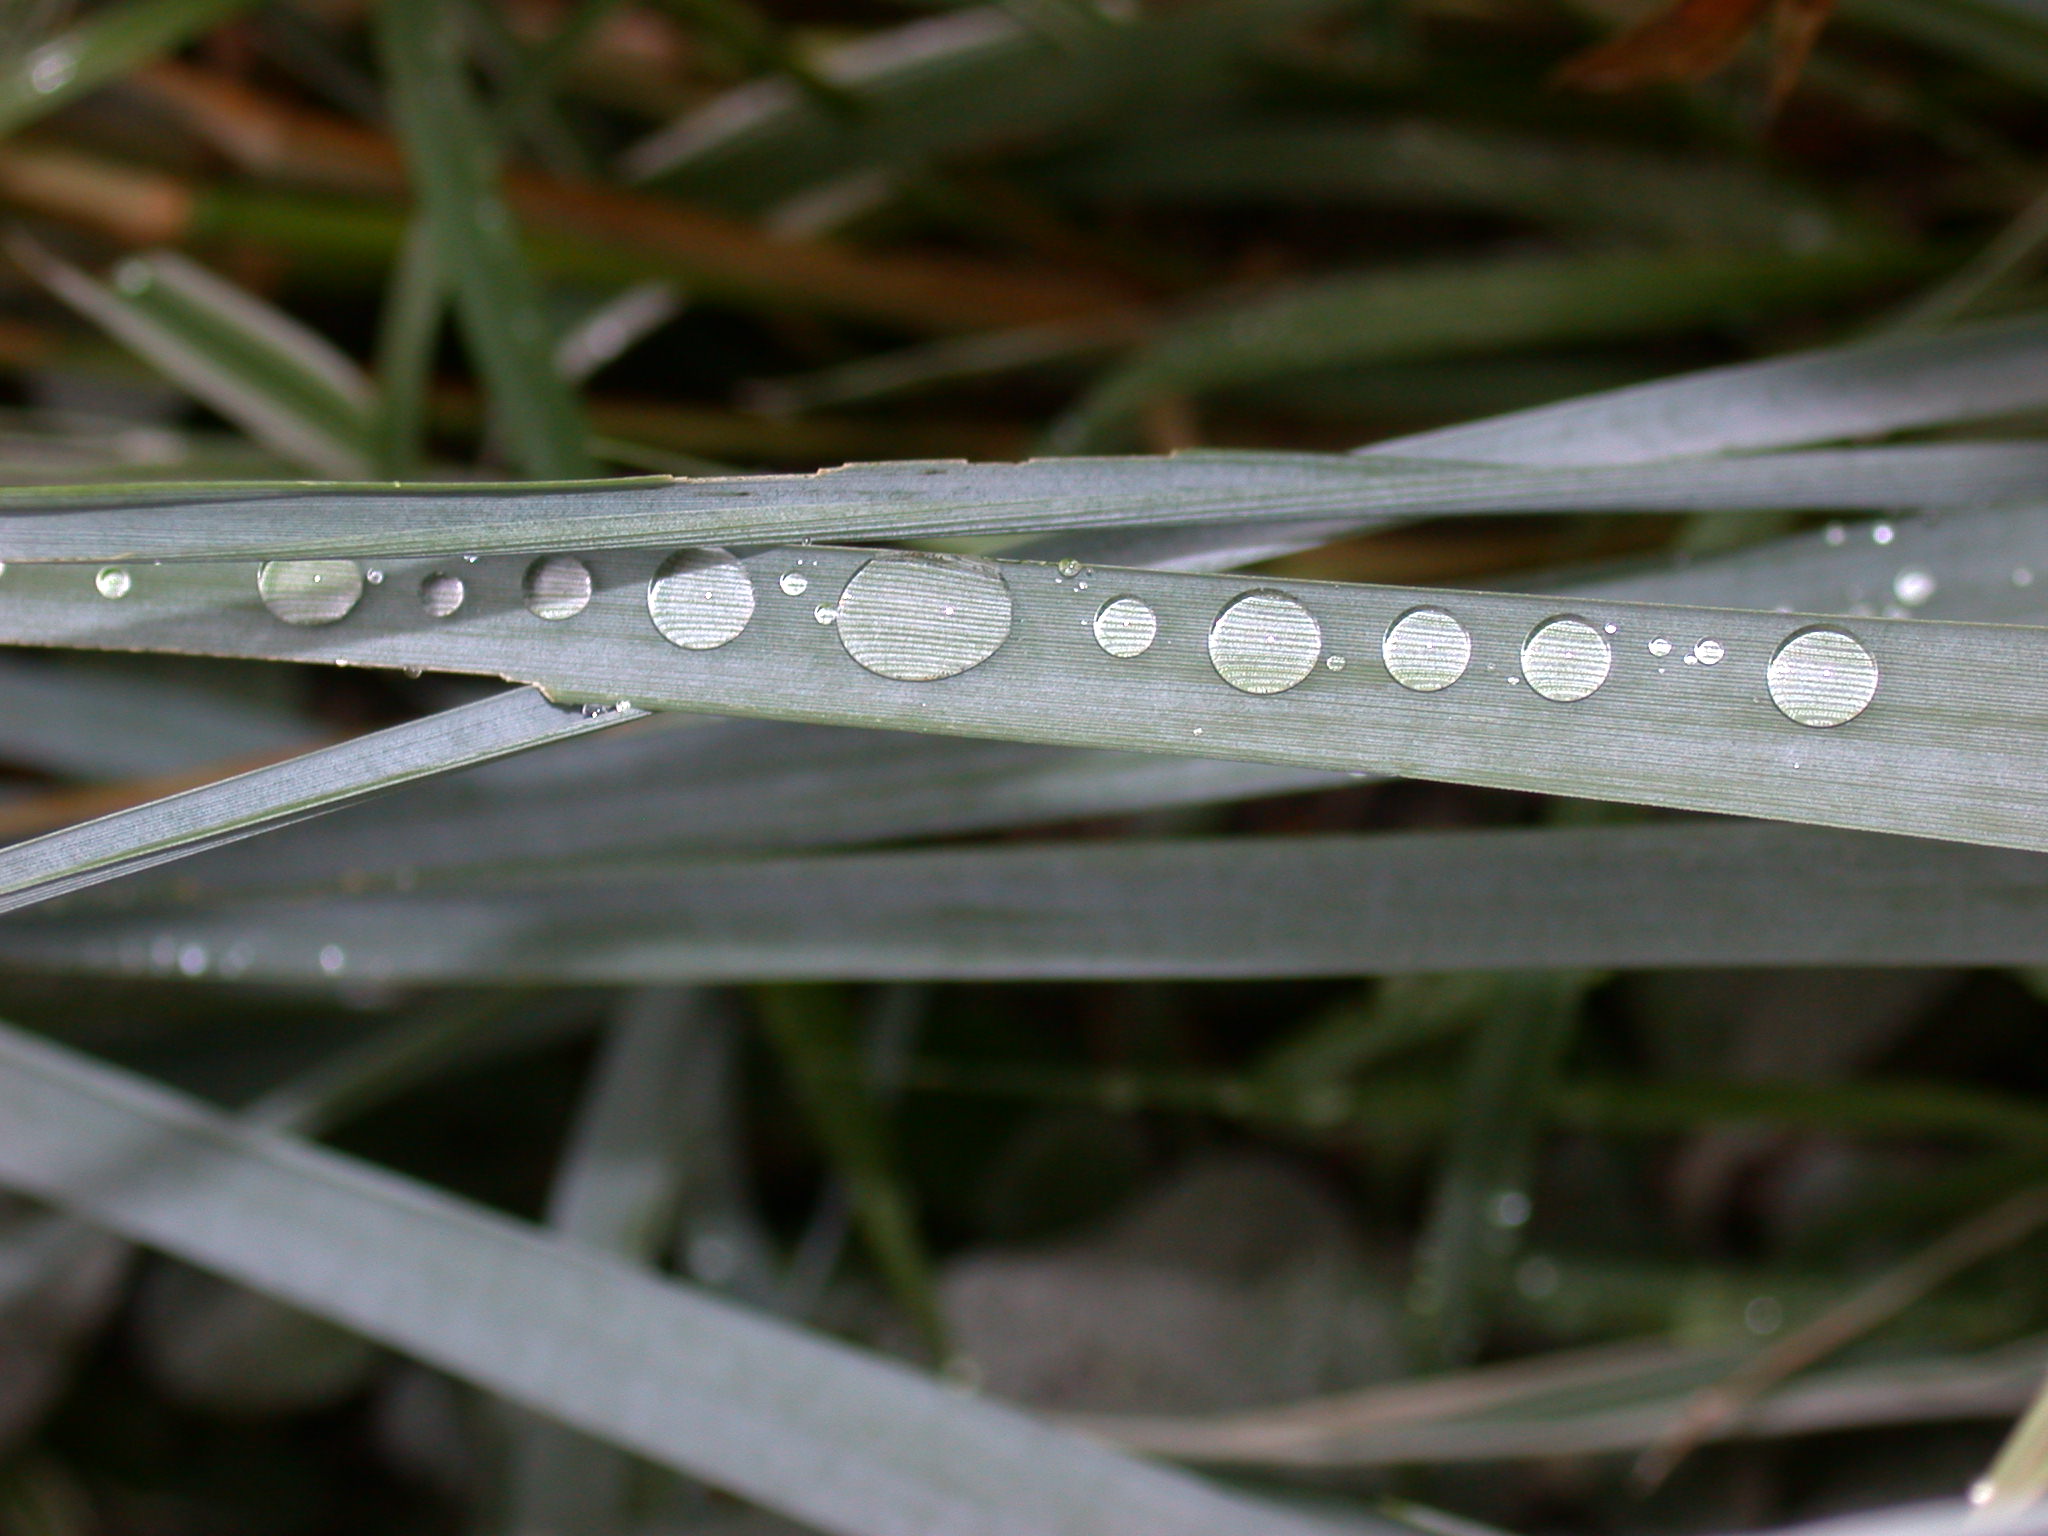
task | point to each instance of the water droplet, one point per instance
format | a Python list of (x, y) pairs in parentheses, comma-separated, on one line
[(113, 581), (1763, 1314), (557, 587), (1708, 653), (310, 591), (51, 68), (1611, 629), (441, 594), (1881, 533), (1983, 1491), (192, 960), (1265, 642), (2022, 577), (1836, 534), (701, 598), (794, 583), (1822, 677), (1335, 663), (375, 578), (1069, 568), (1426, 650), (1509, 1208), (825, 613), (1913, 587), (920, 617), (1126, 627), (333, 959), (469, 559), (1660, 647), (1566, 659)]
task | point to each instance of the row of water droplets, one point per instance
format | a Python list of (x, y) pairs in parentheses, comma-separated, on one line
[(918, 617)]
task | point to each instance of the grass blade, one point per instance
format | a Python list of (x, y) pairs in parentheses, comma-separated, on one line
[(826, 1435), (113, 41), (454, 167)]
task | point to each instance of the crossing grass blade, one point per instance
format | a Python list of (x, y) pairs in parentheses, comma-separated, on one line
[(87, 55)]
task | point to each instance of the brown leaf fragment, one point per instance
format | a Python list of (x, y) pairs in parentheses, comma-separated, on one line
[(1690, 39)]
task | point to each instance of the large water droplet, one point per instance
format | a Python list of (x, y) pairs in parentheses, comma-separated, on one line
[(701, 598), (795, 583), (1660, 646), (1566, 659), (310, 591), (1709, 653), (1822, 677), (441, 594), (557, 587), (1265, 642), (920, 617), (113, 581), (1126, 627), (1426, 650)]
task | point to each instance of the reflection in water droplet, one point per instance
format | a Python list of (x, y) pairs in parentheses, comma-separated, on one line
[(310, 591), (1426, 650), (1335, 663), (192, 960), (1265, 642), (441, 594), (1708, 653), (701, 598), (1126, 627), (920, 617), (333, 959), (1881, 533), (1913, 587), (557, 587), (825, 613), (1566, 659), (1660, 647), (51, 68), (113, 581), (794, 583), (1822, 677)]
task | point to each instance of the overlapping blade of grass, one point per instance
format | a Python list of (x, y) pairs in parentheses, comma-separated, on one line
[(1570, 183), (948, 498), (949, 85), (285, 386), (1942, 734), (1471, 306), (99, 48), (54, 719), (453, 161), (1750, 894), (841, 1441), (252, 802)]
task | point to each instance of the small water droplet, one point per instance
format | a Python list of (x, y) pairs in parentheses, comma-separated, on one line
[(469, 559), (920, 617), (557, 587), (1068, 568), (1836, 534), (1822, 677), (1763, 1315), (1566, 659), (374, 578), (192, 960), (1126, 627), (825, 613), (1881, 533), (1509, 1209), (701, 599), (794, 583), (1660, 647), (1335, 663), (1913, 587), (2022, 577), (51, 68), (310, 591), (333, 959), (113, 581), (1708, 653), (1264, 643), (1426, 650), (441, 594)]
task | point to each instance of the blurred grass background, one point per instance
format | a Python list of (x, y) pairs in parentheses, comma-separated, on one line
[(461, 239)]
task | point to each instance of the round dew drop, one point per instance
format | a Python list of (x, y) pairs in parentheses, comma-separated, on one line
[(310, 592), (1126, 627), (794, 583), (1660, 647), (441, 594), (557, 587), (1708, 653), (701, 599), (1566, 659), (916, 618), (1913, 588), (1265, 642), (113, 581), (1822, 678), (1426, 650)]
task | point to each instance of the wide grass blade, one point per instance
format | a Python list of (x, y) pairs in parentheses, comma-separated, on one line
[(1244, 908), (252, 802), (841, 1441)]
